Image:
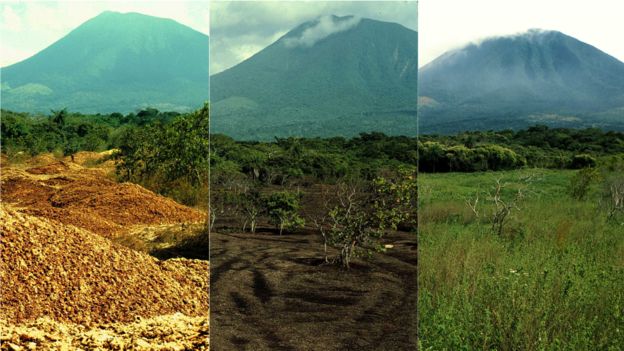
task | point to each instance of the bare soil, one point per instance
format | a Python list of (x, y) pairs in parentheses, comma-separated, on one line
[(272, 292)]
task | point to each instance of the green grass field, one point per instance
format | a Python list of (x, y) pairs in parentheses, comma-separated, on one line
[(553, 280)]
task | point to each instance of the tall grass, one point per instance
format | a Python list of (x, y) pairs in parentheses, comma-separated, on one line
[(553, 280)]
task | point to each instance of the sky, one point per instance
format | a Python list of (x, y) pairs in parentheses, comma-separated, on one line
[(240, 29), (27, 27), (450, 24)]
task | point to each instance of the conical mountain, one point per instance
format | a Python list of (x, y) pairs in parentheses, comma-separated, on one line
[(113, 62), (330, 76), (513, 81)]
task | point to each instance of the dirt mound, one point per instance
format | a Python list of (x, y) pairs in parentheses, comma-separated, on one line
[(95, 160), (42, 159), (85, 198), (53, 168), (71, 275), (85, 157), (172, 332)]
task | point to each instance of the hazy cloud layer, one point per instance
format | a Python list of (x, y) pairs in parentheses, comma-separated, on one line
[(27, 27), (448, 24), (325, 27), (240, 29)]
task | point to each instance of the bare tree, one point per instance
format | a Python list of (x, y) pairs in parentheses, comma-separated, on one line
[(614, 196)]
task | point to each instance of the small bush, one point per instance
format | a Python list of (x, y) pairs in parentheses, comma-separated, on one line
[(582, 161), (283, 207), (580, 183)]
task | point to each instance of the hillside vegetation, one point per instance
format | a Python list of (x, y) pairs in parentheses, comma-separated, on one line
[(337, 85)]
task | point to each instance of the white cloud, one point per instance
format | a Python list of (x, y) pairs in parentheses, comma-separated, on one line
[(324, 27), (11, 20), (237, 25), (448, 24)]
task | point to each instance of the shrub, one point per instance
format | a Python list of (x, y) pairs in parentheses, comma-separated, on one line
[(582, 161), (282, 208), (363, 211), (580, 183)]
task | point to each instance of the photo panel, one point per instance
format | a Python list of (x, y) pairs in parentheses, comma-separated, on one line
[(521, 161), (105, 152), (313, 175)]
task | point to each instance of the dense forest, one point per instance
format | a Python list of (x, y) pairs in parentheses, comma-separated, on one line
[(68, 132), (149, 133), (538, 146)]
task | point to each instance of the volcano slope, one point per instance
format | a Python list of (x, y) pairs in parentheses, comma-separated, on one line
[(65, 283), (271, 292)]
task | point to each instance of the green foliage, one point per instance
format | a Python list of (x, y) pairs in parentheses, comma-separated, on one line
[(169, 158), (581, 181), (363, 210), (612, 173), (557, 283), (537, 146), (395, 199), (72, 132), (289, 161), (252, 205), (582, 161), (282, 208)]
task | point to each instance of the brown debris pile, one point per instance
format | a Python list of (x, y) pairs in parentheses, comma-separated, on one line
[(53, 168), (71, 194), (71, 275), (171, 332), (42, 159), (102, 161), (85, 157)]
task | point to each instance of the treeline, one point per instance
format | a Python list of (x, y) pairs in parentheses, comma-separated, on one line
[(309, 160), (166, 152), (170, 158), (67, 132), (537, 146), (298, 160), (318, 159)]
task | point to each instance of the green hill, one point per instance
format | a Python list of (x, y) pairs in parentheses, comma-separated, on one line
[(515, 81), (331, 76), (113, 63)]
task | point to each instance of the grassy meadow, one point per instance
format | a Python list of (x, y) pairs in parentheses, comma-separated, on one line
[(553, 279)]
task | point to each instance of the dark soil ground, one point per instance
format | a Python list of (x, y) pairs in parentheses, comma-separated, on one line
[(272, 292)]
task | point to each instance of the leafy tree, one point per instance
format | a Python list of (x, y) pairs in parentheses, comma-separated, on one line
[(363, 211), (164, 157), (252, 206), (582, 161), (58, 118), (282, 208)]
